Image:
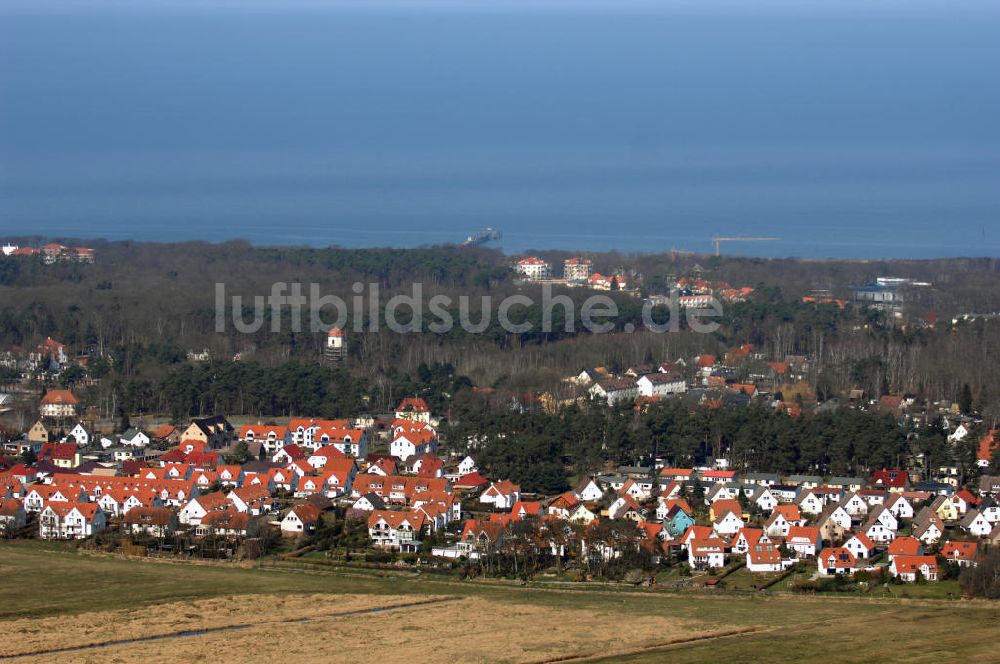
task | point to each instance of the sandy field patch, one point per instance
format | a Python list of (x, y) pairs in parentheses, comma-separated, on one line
[(35, 634), (468, 630)]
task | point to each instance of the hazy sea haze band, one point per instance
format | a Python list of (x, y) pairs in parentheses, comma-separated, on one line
[(864, 136)]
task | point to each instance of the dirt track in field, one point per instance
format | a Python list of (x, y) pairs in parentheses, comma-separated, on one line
[(452, 631)]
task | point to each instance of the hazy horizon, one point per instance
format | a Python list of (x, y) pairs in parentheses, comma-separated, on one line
[(855, 134)]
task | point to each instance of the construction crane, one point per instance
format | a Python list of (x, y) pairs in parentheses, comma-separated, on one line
[(718, 239)]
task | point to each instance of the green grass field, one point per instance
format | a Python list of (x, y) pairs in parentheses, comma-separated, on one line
[(40, 579)]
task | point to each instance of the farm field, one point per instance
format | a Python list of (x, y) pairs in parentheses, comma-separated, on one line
[(56, 598)]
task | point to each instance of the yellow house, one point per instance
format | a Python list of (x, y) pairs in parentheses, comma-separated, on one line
[(215, 432), (946, 509), (38, 433)]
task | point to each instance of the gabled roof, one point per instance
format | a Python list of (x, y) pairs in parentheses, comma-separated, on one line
[(803, 535), (838, 557), (864, 540), (227, 519), (471, 481), (395, 519), (412, 405), (890, 478), (59, 398), (959, 550), (306, 512), (904, 546), (912, 564), (764, 554), (155, 516)]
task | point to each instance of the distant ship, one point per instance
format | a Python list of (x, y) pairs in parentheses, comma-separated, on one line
[(482, 237)]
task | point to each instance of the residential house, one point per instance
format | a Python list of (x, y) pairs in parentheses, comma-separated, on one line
[(215, 432), (369, 503), (588, 491), (396, 531), (803, 540), (626, 507), (892, 480), (908, 567), (227, 523), (764, 557), (63, 455), (847, 483), (836, 560), (414, 409), (748, 537), (854, 505), (38, 433), (945, 509), (134, 438), (12, 515), (899, 506), (272, 437), (300, 519), (195, 510), (153, 521), (860, 545), (804, 481), (963, 553), (678, 518), (615, 390), (810, 502), (58, 404), (406, 444), (762, 479), (727, 522), (709, 553), (930, 531), (661, 384), (833, 523), (70, 520), (976, 524), (904, 546), (764, 499), (502, 495), (82, 435)]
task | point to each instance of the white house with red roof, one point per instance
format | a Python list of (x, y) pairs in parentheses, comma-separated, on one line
[(764, 557), (195, 510), (71, 520), (707, 553), (289, 454), (502, 495), (396, 530), (533, 268), (899, 506), (803, 540), (860, 545), (749, 537), (963, 553), (406, 444), (413, 408), (58, 404), (907, 567), (270, 436), (836, 560), (323, 455)]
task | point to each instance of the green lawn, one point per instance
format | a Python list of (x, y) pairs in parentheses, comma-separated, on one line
[(51, 579)]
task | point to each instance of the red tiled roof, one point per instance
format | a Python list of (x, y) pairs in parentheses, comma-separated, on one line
[(959, 550), (904, 546), (412, 405), (59, 398)]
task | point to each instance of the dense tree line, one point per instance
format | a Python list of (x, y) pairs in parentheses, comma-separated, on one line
[(142, 307), (544, 451)]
